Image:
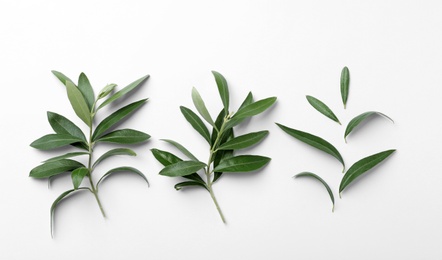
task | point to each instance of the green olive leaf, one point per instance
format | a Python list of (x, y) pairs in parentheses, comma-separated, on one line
[(345, 83), (116, 117), (181, 185), (196, 122), (362, 166), (166, 159), (78, 103), (106, 90), (86, 89), (62, 125), (123, 91), (122, 169), (322, 108), (78, 175), (244, 141), (314, 176), (314, 141), (63, 78), (182, 168), (49, 169), (52, 141), (124, 136), (359, 119), (65, 156), (223, 90), (113, 152), (255, 108), (181, 148), (242, 163), (201, 107), (57, 201)]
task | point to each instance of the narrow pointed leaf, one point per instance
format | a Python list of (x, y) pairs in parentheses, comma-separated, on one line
[(123, 91), (181, 148), (62, 125), (77, 176), (244, 141), (220, 156), (242, 163), (78, 103), (106, 91), (196, 122), (223, 89), (218, 122), (113, 152), (181, 185), (201, 107), (86, 89), (362, 166), (63, 78), (359, 119), (345, 83), (52, 141), (322, 108), (124, 136), (53, 168), (247, 101), (314, 141), (123, 169), (312, 175), (116, 117), (255, 108), (65, 156), (166, 159), (57, 201), (182, 168)]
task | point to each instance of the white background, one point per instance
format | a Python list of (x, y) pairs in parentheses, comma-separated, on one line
[(275, 48)]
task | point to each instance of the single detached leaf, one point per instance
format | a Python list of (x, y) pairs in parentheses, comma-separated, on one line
[(255, 108), (322, 108), (124, 91), (196, 122), (244, 141), (223, 90), (62, 125), (78, 103), (55, 203), (314, 141), (182, 168), (113, 152), (52, 141), (181, 148), (166, 159), (362, 166), (122, 169), (309, 174), (77, 176), (53, 168), (65, 156), (201, 107), (181, 185), (359, 119), (86, 89), (116, 117), (124, 136), (345, 82), (63, 78), (242, 163)]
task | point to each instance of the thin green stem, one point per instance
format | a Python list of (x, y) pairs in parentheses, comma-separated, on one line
[(91, 148)]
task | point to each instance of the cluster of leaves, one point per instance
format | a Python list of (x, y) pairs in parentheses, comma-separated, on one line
[(221, 140), (357, 169), (85, 105)]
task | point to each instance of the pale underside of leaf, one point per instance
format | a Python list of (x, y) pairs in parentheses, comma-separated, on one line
[(78, 103), (181, 148)]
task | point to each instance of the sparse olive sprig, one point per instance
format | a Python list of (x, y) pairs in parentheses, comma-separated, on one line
[(85, 105), (360, 167), (221, 140)]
